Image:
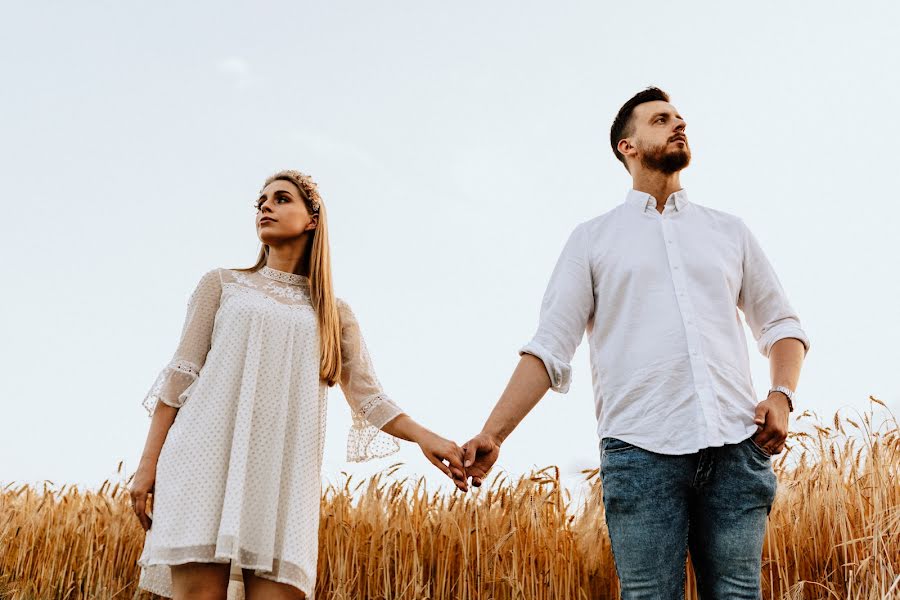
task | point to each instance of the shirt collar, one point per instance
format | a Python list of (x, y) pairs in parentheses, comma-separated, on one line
[(645, 202)]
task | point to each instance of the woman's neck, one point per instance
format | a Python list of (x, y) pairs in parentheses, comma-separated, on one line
[(290, 259)]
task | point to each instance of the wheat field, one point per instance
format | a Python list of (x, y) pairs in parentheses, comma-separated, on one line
[(833, 533)]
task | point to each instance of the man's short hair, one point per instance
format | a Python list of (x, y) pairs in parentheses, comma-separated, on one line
[(622, 126)]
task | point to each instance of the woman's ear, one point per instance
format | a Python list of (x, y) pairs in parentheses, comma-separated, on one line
[(313, 222)]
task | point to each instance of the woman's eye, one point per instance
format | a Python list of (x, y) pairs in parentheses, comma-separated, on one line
[(258, 205)]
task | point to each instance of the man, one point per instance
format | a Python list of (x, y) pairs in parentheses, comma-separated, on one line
[(685, 447)]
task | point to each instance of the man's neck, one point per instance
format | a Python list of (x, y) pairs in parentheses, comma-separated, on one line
[(657, 184)]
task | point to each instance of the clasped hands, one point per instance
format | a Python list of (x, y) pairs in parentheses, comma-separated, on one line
[(472, 461)]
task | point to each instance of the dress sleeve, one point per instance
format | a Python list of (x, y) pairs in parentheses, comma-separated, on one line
[(174, 381), (370, 406)]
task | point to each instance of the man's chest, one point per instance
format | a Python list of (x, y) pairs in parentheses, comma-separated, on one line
[(662, 252)]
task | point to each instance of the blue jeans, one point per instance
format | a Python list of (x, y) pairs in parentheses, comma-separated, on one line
[(715, 502)]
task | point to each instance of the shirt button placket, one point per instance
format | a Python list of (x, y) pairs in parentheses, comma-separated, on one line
[(698, 366)]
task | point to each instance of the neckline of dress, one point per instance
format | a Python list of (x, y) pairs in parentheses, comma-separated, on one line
[(283, 276)]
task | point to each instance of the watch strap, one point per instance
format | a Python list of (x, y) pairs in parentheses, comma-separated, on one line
[(788, 393)]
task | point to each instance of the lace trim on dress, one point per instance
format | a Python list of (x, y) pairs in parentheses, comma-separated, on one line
[(298, 292), (293, 294), (303, 301), (155, 394), (291, 278), (366, 440), (243, 279), (185, 366), (227, 549)]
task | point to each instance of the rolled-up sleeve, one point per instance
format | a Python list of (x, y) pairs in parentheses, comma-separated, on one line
[(762, 299), (567, 307)]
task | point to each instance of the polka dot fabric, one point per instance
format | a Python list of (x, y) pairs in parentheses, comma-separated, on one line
[(239, 476)]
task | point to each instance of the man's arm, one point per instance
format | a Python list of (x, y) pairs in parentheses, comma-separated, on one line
[(566, 308), (528, 384), (785, 360), (779, 336)]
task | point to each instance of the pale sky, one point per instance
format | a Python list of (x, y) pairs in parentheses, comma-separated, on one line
[(456, 146)]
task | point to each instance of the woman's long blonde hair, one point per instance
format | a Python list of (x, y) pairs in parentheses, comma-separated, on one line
[(318, 265)]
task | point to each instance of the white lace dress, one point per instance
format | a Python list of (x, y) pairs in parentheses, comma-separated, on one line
[(239, 475)]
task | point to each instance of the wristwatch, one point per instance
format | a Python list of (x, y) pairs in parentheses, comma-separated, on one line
[(787, 392)]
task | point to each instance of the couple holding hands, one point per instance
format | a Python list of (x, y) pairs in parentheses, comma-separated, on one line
[(233, 456)]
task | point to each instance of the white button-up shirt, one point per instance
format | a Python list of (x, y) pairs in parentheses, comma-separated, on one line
[(658, 295)]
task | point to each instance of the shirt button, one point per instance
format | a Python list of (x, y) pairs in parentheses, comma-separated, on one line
[(675, 267), (670, 241)]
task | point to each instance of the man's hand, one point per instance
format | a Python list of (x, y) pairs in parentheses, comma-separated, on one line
[(772, 422), (481, 452)]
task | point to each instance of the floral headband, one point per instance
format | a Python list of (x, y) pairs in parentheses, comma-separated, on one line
[(303, 181)]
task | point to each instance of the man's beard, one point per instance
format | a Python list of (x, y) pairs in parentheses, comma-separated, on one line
[(657, 158)]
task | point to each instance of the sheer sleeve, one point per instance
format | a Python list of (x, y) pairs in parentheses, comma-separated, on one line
[(371, 407), (175, 379)]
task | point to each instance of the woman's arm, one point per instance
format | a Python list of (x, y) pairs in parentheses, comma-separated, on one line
[(435, 448), (145, 477), (170, 390), (162, 420), (375, 414)]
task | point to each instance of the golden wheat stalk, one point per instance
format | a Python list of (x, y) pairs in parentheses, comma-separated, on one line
[(834, 532)]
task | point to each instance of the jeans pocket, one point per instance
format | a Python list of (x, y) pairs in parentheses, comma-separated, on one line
[(758, 449), (611, 444)]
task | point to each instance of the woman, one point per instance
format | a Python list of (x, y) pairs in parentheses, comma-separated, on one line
[(238, 470)]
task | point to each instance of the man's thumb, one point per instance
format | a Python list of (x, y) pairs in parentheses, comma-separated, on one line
[(469, 454), (760, 416)]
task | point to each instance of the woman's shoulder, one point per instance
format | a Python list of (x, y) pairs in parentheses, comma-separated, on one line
[(343, 307), (345, 314), (213, 274), (226, 274), (214, 278)]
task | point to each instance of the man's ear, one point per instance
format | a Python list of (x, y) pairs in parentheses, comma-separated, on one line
[(625, 147)]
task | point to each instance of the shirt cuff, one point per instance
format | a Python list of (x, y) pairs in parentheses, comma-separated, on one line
[(780, 332), (560, 372)]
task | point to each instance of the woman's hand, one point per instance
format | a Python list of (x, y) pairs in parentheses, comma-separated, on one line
[(141, 487), (437, 450), (434, 447)]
